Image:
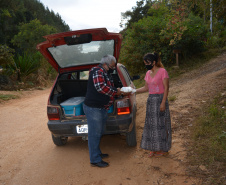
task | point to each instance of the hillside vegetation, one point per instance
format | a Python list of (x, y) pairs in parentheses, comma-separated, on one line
[(23, 23), (166, 27)]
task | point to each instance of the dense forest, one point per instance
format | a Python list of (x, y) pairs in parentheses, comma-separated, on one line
[(14, 13), (165, 26), (186, 26), (22, 25)]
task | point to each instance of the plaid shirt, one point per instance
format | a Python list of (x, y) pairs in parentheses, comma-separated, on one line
[(104, 84)]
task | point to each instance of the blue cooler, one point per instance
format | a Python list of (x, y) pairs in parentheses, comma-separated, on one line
[(73, 106)]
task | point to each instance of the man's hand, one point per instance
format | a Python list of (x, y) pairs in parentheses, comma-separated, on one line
[(118, 92)]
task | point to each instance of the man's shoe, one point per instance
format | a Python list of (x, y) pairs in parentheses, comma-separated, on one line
[(101, 164), (104, 155)]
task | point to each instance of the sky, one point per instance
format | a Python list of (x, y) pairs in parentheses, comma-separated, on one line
[(85, 14)]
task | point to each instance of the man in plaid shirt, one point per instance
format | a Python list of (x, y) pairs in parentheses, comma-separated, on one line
[(99, 97)]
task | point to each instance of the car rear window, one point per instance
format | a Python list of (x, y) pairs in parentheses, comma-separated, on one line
[(81, 54)]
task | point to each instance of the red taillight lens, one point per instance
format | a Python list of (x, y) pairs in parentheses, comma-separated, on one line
[(123, 107), (123, 110), (53, 113)]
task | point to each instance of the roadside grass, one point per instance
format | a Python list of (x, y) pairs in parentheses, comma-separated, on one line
[(172, 98), (6, 97), (208, 146)]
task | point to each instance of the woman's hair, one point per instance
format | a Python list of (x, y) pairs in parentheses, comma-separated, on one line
[(107, 59), (151, 57)]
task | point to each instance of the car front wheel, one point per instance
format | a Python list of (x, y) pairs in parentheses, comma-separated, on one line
[(59, 140)]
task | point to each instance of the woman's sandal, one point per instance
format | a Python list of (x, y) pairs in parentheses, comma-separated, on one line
[(158, 154), (151, 154)]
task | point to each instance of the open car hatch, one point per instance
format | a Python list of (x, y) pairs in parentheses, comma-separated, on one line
[(78, 50)]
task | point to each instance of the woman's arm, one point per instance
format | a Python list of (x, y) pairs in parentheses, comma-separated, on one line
[(166, 91), (143, 89)]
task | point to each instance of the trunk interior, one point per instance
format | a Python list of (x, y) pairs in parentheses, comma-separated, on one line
[(74, 84)]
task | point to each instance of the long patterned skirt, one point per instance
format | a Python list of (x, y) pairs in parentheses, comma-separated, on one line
[(157, 135)]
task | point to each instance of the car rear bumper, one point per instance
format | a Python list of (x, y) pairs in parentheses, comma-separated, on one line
[(114, 125)]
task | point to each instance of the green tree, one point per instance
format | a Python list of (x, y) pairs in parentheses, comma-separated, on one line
[(166, 28), (202, 8), (143, 37), (30, 35), (176, 22), (13, 13), (138, 12), (193, 39)]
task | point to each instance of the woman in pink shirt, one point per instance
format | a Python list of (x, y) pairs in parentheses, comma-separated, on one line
[(157, 129)]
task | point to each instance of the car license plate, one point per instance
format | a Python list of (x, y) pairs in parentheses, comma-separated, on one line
[(81, 129)]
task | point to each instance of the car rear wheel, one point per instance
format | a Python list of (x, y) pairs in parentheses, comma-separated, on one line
[(131, 138), (59, 140)]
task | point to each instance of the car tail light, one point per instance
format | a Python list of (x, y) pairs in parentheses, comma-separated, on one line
[(53, 113), (123, 107)]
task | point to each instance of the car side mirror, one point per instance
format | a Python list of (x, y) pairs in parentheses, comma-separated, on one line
[(136, 77)]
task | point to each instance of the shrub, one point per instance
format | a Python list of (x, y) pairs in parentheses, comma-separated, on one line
[(6, 55), (25, 65), (193, 40)]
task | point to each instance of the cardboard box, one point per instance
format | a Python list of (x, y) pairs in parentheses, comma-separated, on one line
[(73, 106)]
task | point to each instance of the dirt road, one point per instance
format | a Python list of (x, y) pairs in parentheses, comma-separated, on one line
[(29, 157)]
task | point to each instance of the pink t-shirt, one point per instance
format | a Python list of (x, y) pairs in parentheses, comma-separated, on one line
[(155, 84)]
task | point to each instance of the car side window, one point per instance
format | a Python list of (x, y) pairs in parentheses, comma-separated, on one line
[(74, 76), (125, 75), (84, 75)]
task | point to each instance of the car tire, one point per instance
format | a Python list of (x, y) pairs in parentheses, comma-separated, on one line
[(131, 138), (59, 140)]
